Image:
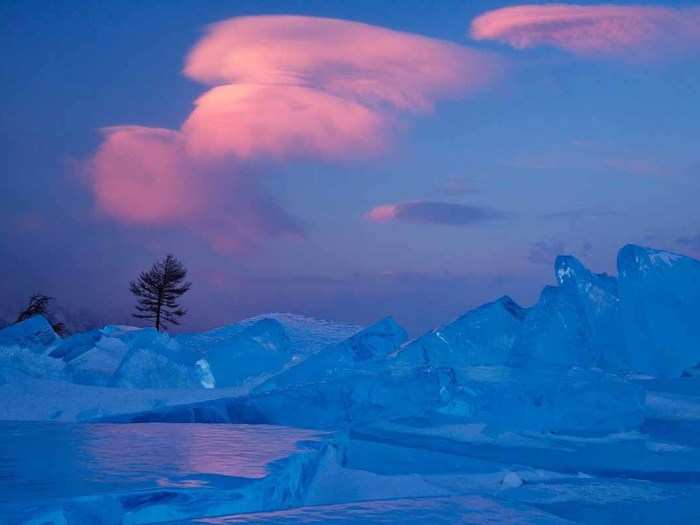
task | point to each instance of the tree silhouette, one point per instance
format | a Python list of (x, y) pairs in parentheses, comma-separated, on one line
[(158, 290), (39, 305)]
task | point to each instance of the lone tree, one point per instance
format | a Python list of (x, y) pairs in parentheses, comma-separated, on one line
[(39, 305), (158, 290)]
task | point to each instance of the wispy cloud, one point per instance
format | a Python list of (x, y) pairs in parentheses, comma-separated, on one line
[(280, 87), (631, 33), (445, 213)]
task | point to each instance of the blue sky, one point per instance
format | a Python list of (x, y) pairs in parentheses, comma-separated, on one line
[(572, 152)]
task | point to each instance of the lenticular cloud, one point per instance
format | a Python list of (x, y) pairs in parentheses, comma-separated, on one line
[(370, 64), (257, 120), (280, 87), (638, 33)]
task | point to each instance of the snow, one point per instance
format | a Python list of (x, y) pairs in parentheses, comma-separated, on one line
[(511, 480)]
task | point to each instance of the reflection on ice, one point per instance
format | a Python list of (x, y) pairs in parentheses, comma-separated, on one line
[(61, 460), (225, 450)]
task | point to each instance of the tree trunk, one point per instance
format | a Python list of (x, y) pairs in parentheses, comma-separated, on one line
[(160, 302)]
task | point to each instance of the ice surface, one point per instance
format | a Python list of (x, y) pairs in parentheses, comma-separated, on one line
[(466, 510), (255, 474), (584, 407)]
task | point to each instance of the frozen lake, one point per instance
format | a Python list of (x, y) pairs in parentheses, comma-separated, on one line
[(45, 461)]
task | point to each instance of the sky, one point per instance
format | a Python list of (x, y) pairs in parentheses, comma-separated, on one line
[(343, 160)]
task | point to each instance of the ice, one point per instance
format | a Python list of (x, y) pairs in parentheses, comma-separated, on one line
[(262, 347), (34, 334), (144, 368), (14, 359), (128, 357), (598, 301), (576, 401), (75, 345), (366, 350), (97, 365), (305, 335), (352, 398), (660, 296), (484, 336), (576, 323), (24, 347), (585, 407), (554, 334)]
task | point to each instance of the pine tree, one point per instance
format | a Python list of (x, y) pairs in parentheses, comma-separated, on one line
[(158, 290)]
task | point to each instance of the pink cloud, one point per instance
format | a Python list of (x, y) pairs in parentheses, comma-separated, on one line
[(631, 32), (282, 87), (383, 213), (370, 64), (144, 176), (434, 212), (289, 86), (248, 120), (141, 175)]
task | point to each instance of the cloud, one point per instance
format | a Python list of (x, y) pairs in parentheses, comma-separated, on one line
[(372, 65), (433, 213), (281, 87), (632, 33), (248, 121), (144, 176)]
